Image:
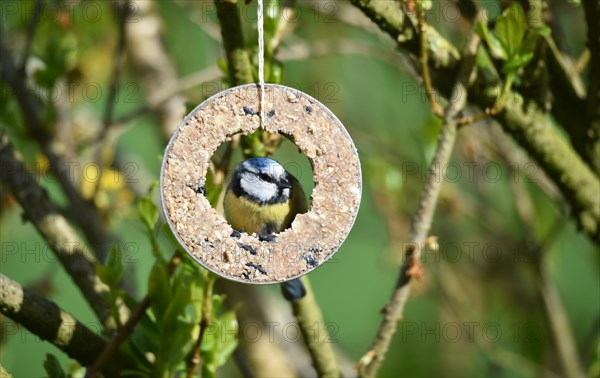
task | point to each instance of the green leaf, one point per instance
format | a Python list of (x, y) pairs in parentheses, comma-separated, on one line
[(159, 289), (147, 209), (530, 41), (177, 308), (179, 319), (484, 61), (115, 266), (148, 212), (228, 342), (516, 62), (53, 368), (510, 28), (496, 48)]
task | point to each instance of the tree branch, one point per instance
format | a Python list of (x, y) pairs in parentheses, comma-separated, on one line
[(308, 314), (45, 319), (528, 125), (238, 61), (421, 223), (55, 229), (84, 212), (533, 129), (403, 29), (592, 147), (124, 332)]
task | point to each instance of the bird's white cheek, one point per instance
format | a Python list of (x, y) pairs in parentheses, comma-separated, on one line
[(259, 189)]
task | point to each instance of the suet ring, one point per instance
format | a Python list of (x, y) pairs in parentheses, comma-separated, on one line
[(313, 237)]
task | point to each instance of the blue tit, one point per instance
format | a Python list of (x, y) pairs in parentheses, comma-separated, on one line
[(263, 197)]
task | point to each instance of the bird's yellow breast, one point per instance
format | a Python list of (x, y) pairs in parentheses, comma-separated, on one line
[(251, 217)]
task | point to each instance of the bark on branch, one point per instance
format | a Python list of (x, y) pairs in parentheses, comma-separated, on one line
[(580, 186), (592, 147), (83, 212), (55, 229), (238, 61), (534, 131), (46, 320)]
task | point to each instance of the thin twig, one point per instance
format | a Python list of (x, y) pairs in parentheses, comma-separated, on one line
[(55, 229), (578, 184), (370, 363), (119, 337), (124, 332), (45, 319), (424, 59), (581, 63), (205, 320), (294, 52)]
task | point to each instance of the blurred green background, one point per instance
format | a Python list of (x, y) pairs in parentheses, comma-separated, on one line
[(478, 310)]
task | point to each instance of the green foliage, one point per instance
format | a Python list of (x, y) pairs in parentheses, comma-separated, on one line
[(111, 274), (163, 339), (53, 368), (175, 315), (147, 210), (510, 29), (148, 214), (252, 145), (511, 42), (220, 340)]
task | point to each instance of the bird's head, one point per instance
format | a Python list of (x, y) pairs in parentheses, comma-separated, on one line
[(262, 180)]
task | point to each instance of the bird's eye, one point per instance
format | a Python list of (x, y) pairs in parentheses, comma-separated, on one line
[(264, 176)]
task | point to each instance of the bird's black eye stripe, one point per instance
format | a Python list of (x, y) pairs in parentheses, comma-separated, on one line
[(265, 177)]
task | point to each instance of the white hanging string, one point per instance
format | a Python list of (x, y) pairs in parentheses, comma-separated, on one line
[(261, 60)]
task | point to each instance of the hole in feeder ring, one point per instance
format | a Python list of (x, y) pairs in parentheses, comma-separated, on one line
[(313, 237)]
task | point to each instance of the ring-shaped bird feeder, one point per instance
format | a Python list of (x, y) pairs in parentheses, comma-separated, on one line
[(313, 237)]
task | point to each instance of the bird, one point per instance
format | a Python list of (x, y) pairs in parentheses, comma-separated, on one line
[(263, 198)]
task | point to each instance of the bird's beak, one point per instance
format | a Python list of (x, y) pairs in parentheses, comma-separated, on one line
[(285, 183)]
